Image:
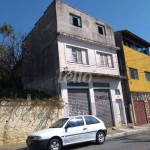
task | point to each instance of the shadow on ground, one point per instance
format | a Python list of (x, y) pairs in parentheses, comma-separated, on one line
[(133, 138), (72, 147), (77, 146), (23, 148)]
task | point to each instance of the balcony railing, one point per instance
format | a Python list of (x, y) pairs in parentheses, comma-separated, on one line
[(136, 46)]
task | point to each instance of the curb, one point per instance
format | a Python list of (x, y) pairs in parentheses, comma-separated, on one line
[(124, 133)]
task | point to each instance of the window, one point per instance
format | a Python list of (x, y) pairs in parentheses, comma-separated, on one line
[(147, 76), (101, 29), (128, 43), (135, 46), (75, 20), (75, 122), (117, 91), (104, 60), (59, 123), (133, 73), (76, 55), (90, 120)]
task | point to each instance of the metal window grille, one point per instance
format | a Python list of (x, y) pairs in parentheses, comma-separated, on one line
[(83, 84), (75, 20), (100, 84), (101, 29)]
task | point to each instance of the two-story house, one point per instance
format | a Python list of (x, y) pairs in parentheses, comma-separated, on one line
[(75, 56), (134, 62)]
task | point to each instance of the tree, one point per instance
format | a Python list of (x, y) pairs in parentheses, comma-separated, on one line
[(10, 55)]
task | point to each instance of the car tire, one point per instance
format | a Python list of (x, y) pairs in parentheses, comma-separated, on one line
[(54, 144), (100, 137)]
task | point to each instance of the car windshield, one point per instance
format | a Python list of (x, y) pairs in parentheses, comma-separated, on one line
[(60, 123)]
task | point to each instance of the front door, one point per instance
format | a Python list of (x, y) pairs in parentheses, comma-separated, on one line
[(76, 131), (92, 124), (140, 113), (119, 111)]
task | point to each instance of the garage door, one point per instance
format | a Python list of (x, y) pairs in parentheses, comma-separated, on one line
[(78, 102), (140, 113), (103, 106)]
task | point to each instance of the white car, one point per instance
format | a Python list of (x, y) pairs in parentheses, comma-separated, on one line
[(68, 131)]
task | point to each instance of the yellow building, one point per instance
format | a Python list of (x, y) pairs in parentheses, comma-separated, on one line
[(134, 63)]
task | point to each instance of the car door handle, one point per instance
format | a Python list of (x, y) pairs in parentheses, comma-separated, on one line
[(84, 128)]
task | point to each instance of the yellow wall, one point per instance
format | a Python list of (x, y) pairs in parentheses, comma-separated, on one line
[(141, 62)]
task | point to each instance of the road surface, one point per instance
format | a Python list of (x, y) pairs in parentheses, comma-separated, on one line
[(133, 142)]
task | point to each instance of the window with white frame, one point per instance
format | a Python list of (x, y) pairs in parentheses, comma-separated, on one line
[(147, 76), (76, 55), (101, 29), (75, 20), (104, 60)]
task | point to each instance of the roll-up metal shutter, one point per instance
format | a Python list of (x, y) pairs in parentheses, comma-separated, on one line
[(103, 106), (78, 100)]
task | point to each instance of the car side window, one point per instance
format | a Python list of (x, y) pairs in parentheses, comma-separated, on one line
[(91, 120), (75, 122)]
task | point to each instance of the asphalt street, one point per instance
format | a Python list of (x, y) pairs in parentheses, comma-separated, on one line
[(133, 142)]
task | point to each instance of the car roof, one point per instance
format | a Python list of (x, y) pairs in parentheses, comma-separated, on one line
[(78, 116)]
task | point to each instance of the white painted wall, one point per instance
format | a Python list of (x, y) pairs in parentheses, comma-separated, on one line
[(91, 49), (91, 68), (114, 84)]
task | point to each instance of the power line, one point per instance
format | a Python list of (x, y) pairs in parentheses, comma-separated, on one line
[(97, 64)]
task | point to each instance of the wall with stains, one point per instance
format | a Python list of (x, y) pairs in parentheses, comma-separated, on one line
[(18, 120)]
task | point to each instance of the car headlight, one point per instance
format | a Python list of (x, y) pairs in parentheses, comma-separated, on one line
[(37, 138)]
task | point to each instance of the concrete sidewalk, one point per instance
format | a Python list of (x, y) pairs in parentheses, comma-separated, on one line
[(122, 131), (112, 133)]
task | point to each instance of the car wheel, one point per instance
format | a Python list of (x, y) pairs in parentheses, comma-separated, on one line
[(100, 137), (54, 144)]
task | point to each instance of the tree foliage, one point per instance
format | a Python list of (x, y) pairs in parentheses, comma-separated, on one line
[(10, 55)]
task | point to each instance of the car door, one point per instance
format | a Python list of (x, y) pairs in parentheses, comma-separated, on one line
[(92, 125), (75, 132)]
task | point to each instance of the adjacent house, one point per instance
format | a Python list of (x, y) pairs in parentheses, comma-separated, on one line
[(74, 55), (134, 62)]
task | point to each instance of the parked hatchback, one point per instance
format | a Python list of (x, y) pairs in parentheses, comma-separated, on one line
[(68, 131)]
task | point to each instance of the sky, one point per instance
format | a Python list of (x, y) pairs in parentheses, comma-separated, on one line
[(133, 15)]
